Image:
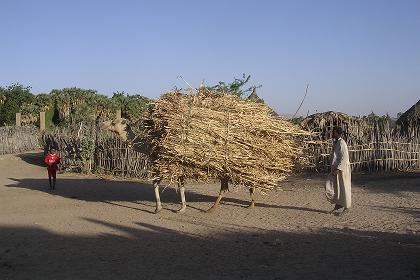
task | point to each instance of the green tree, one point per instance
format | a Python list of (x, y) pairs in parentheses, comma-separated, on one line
[(135, 108), (74, 105), (132, 106), (13, 97), (104, 107), (30, 113), (44, 103)]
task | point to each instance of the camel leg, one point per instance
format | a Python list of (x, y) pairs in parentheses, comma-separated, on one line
[(158, 203), (252, 197), (224, 187), (182, 192)]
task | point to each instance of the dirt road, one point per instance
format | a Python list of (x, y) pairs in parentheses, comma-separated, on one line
[(93, 228)]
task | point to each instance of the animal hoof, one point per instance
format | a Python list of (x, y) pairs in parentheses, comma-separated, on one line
[(210, 210), (182, 210), (344, 212), (252, 205), (157, 210)]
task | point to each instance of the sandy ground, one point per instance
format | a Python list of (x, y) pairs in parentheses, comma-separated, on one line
[(95, 228)]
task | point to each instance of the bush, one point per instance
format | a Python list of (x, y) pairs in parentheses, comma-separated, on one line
[(13, 97)]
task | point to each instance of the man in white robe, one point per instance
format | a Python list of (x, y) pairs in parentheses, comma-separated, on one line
[(338, 187)]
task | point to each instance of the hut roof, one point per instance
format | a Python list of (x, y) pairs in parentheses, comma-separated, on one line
[(321, 119), (411, 115), (254, 96)]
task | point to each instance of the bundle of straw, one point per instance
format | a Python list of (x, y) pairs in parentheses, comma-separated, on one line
[(212, 135)]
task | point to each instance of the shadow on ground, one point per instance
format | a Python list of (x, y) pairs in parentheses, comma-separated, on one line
[(392, 182), (114, 191), (413, 211), (33, 158), (145, 251), (380, 182)]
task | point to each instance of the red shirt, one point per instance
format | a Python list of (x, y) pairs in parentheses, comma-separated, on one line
[(51, 160)]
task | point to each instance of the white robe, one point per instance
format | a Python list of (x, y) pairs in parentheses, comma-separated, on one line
[(338, 187)]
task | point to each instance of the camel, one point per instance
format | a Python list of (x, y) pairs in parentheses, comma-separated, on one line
[(121, 127)]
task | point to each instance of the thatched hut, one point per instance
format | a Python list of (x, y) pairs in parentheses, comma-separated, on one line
[(357, 129), (409, 122), (322, 123)]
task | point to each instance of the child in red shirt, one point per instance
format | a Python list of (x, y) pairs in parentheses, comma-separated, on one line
[(52, 160)]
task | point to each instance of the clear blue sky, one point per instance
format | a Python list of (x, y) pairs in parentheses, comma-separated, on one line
[(357, 56)]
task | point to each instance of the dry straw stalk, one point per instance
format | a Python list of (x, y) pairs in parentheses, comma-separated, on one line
[(214, 135)]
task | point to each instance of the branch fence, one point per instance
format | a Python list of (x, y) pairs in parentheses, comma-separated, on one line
[(19, 139), (374, 146)]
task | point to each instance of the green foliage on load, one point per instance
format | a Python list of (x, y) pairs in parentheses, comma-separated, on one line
[(237, 88)]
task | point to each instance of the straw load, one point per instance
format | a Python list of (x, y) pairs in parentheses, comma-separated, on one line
[(213, 135)]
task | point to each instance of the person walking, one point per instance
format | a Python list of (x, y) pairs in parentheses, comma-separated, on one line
[(52, 160), (338, 186)]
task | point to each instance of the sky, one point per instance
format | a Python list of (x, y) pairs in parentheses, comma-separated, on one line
[(357, 56)]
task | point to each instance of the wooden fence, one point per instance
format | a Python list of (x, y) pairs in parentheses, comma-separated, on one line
[(19, 139), (375, 156), (373, 148), (114, 156), (88, 149)]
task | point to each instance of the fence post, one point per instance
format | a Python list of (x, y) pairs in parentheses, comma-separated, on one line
[(18, 119), (118, 114), (42, 121)]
